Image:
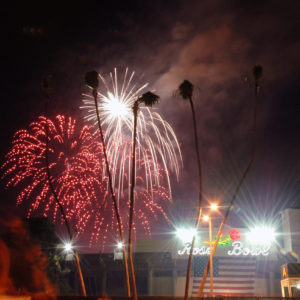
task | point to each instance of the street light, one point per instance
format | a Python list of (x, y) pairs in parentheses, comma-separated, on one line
[(71, 253), (186, 234), (208, 219), (261, 235), (68, 247), (118, 254), (214, 206), (205, 218)]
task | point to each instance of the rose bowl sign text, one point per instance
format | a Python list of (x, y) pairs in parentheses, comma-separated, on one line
[(237, 248)]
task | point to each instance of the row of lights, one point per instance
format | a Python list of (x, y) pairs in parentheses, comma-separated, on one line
[(68, 246), (257, 235)]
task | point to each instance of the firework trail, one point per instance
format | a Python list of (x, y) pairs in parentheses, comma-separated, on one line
[(75, 167), (157, 146)]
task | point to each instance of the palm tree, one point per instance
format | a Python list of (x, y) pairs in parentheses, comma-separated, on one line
[(47, 91), (91, 80), (148, 99), (257, 74), (186, 92)]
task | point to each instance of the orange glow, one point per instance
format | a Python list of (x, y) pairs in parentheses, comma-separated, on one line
[(284, 272), (214, 206), (206, 218)]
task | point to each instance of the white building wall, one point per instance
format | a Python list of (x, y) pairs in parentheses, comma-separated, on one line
[(291, 229), (287, 238), (162, 286), (180, 286), (175, 285)]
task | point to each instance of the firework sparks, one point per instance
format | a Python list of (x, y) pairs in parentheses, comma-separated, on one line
[(157, 144), (149, 207), (75, 167), (148, 211)]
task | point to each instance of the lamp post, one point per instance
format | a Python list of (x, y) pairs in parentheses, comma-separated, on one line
[(208, 219), (69, 248)]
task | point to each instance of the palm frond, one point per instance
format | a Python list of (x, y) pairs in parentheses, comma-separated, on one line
[(257, 72), (91, 79), (186, 89), (149, 99)]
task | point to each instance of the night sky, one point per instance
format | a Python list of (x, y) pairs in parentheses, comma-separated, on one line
[(213, 44)]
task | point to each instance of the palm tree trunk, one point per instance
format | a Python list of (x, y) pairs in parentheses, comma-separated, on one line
[(59, 204), (131, 205), (252, 156), (116, 208), (199, 213)]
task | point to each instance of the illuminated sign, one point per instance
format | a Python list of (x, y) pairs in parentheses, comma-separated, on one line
[(234, 235), (196, 251), (238, 249), (223, 242)]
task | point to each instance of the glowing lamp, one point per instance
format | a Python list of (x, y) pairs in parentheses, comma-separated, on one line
[(120, 245), (261, 235), (206, 218), (214, 206), (186, 235), (68, 247)]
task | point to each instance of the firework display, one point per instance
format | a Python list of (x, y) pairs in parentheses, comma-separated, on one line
[(74, 163), (76, 169), (157, 146)]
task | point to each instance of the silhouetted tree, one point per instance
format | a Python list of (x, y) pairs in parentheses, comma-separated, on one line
[(186, 92), (47, 88), (91, 80), (148, 99), (257, 74)]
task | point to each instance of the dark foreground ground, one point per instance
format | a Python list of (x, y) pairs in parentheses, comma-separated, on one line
[(157, 297)]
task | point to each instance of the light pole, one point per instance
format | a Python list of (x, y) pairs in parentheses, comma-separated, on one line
[(69, 248), (208, 219)]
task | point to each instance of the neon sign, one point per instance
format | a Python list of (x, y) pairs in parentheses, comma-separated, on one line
[(238, 249), (223, 242), (196, 251), (234, 235), (231, 240)]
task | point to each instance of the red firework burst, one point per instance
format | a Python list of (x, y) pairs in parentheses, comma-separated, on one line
[(75, 163)]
